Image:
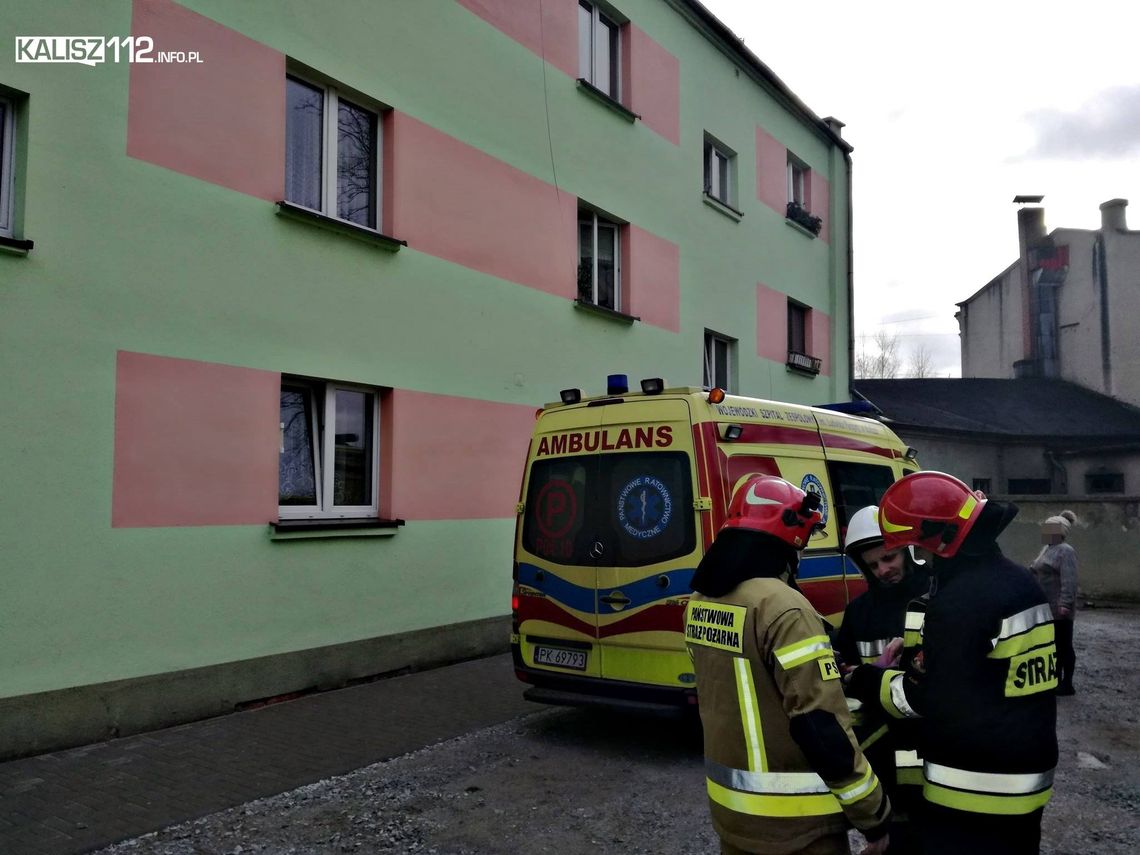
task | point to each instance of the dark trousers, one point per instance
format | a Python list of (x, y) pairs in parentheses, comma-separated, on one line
[(954, 832), (1066, 656)]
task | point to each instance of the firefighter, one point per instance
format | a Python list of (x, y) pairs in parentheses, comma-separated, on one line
[(784, 772), (985, 679), (870, 623)]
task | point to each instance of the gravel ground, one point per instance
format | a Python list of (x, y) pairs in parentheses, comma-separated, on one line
[(573, 782)]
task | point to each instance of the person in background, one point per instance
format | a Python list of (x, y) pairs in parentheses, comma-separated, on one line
[(1055, 568), (784, 774), (983, 687), (874, 619)]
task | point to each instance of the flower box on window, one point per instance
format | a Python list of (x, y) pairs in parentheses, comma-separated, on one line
[(803, 362), (799, 214)]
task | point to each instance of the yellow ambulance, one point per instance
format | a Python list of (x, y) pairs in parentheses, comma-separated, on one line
[(622, 494)]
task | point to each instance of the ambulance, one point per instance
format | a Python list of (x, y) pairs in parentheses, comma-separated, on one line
[(622, 494)]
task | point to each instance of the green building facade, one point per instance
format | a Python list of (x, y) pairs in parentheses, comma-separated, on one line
[(277, 307)]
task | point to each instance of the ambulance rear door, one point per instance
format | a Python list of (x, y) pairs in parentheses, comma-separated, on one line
[(557, 553), (647, 534)]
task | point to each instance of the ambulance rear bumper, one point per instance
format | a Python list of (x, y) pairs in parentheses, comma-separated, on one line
[(550, 688)]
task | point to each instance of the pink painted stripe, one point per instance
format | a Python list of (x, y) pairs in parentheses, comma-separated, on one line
[(819, 340), (653, 85), (771, 323), (548, 29), (653, 271), (222, 120), (771, 171), (459, 458), (196, 443), (455, 202), (821, 202)]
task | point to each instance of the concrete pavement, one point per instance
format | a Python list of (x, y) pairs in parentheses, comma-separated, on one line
[(88, 797)]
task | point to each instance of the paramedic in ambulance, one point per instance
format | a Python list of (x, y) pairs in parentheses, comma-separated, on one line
[(984, 684), (890, 609), (784, 773)]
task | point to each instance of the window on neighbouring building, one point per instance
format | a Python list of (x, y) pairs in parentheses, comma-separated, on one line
[(599, 59), (1104, 482), (329, 457), (982, 484), (720, 353), (797, 327), (798, 183), (1030, 486), (7, 164), (599, 260), (332, 153), (720, 171)]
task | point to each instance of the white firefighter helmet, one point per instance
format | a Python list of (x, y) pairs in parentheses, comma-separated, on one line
[(863, 531)]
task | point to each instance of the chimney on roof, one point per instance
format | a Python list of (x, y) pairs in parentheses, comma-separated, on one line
[(836, 125), (1030, 232), (1112, 215)]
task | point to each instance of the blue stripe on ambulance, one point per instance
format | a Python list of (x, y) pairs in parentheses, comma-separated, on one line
[(819, 567), (582, 598)]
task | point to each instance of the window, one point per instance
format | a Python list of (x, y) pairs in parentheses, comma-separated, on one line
[(856, 485), (982, 484), (1030, 486), (1104, 482), (629, 508), (720, 352), (799, 339), (598, 50), (329, 460), (797, 327), (798, 184), (7, 164), (720, 171), (332, 154), (599, 261)]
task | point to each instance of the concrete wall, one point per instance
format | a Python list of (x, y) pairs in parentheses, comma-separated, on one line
[(1106, 537)]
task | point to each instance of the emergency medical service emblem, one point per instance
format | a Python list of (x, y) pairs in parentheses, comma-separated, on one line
[(644, 507), (811, 484)]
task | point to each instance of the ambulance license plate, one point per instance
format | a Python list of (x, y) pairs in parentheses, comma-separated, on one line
[(560, 658)]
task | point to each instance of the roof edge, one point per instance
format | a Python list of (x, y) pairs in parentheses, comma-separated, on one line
[(734, 45)]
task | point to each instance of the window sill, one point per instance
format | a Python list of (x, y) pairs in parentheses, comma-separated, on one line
[(332, 224), (15, 246), (803, 231), (602, 311), (601, 97), (310, 529), (723, 207)]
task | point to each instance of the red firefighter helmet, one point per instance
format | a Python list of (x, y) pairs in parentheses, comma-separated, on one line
[(931, 510), (771, 505)]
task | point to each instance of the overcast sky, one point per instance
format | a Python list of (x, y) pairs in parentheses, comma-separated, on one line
[(953, 109)]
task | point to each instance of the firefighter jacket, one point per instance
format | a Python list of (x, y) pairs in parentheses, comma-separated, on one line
[(984, 686), (782, 766), (871, 620)]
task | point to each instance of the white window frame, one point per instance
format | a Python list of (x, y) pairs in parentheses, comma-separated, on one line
[(597, 223), (798, 178), (720, 160), (329, 131), (324, 453), (599, 20), (712, 339), (7, 165)]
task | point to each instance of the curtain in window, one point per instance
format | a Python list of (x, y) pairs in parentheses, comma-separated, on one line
[(304, 120), (352, 466)]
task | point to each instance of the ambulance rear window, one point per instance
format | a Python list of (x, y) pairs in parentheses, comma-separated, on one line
[(614, 510)]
